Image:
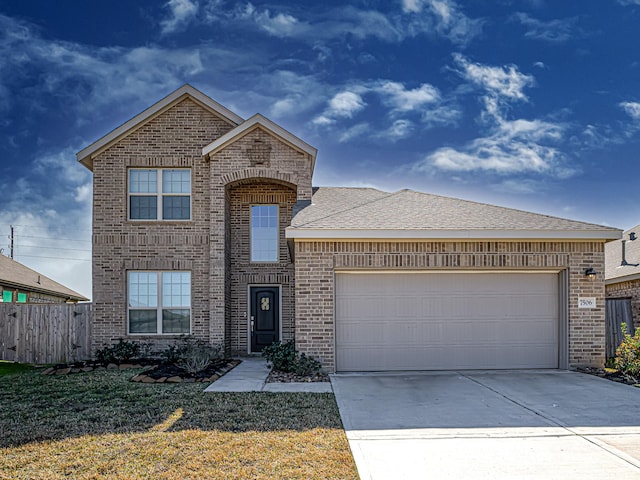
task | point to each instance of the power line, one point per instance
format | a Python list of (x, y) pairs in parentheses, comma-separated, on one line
[(54, 258), (20, 247), (53, 238), (45, 227)]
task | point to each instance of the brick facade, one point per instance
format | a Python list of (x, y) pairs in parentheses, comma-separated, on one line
[(627, 289), (317, 261), (260, 166), (214, 244)]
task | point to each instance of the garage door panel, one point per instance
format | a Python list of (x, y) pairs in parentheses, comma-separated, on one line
[(446, 321)]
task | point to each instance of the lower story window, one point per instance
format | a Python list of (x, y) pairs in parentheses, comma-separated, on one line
[(159, 302)]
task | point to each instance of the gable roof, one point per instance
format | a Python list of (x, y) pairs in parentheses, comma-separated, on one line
[(86, 155), (407, 214), (615, 271), (259, 121), (16, 275)]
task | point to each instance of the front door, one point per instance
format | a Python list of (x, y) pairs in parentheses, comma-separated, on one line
[(265, 317)]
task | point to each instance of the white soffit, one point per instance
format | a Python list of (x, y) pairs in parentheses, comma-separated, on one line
[(86, 155), (469, 234)]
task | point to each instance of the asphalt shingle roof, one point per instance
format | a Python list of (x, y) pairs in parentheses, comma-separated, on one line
[(15, 274), (614, 270), (368, 208)]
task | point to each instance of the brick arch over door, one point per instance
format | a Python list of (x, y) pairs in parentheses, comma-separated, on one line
[(253, 175)]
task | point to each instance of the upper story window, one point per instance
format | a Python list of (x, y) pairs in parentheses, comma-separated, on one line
[(264, 233), (159, 194)]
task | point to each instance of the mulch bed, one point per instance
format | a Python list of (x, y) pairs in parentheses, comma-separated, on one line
[(614, 376), (153, 373), (283, 377), (172, 373)]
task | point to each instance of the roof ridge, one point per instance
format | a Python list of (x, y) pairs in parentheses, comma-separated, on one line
[(475, 202)]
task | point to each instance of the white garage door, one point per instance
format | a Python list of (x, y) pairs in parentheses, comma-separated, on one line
[(446, 321)]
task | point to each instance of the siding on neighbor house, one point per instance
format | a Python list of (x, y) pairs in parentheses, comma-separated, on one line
[(317, 261), (627, 289)]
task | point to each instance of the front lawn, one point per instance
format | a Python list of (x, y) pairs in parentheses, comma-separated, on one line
[(9, 368), (100, 425)]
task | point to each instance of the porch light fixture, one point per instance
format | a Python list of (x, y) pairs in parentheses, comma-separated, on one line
[(590, 273)]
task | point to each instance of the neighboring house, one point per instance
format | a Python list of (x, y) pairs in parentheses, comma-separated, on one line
[(20, 284), (622, 276), (207, 224)]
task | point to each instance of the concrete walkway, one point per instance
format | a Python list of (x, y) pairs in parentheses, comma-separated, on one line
[(251, 376), (490, 425)]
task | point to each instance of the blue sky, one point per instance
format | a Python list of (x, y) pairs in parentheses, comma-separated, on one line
[(530, 104)]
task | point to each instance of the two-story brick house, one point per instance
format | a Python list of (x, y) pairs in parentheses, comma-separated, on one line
[(207, 224)]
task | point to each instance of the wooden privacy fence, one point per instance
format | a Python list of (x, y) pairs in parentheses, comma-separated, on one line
[(618, 311), (52, 333)]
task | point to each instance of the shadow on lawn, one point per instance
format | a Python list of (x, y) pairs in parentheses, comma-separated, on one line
[(37, 408)]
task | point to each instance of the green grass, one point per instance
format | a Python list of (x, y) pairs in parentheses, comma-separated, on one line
[(10, 368), (100, 425)]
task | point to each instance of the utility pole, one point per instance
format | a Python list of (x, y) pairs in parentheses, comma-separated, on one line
[(11, 237)]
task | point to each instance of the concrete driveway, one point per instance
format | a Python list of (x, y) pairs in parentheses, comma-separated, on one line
[(490, 425)]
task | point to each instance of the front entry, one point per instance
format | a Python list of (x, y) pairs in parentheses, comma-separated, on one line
[(265, 316)]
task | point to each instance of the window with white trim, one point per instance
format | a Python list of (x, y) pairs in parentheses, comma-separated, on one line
[(159, 194), (264, 233), (159, 302)]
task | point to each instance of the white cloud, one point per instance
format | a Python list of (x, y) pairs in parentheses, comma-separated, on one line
[(442, 17), (84, 78), (408, 108), (279, 24), (398, 130), (357, 130), (516, 146), (504, 81), (510, 146), (552, 31), (342, 105), (441, 116), (181, 13), (402, 99), (631, 108)]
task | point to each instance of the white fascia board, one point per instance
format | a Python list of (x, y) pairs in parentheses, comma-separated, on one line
[(86, 155), (484, 234), (626, 278), (250, 125)]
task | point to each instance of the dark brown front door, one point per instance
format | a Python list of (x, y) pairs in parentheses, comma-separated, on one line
[(265, 317)]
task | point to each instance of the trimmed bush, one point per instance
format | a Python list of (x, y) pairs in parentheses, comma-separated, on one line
[(283, 357)]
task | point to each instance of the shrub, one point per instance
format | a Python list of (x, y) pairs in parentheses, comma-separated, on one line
[(628, 354), (306, 365), (192, 355), (283, 357), (123, 351)]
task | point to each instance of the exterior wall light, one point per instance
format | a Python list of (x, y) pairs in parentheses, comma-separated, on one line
[(590, 273)]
